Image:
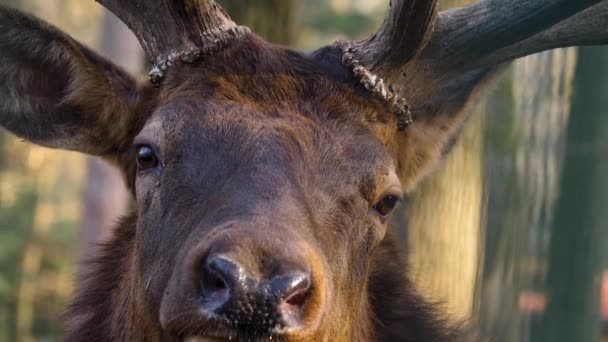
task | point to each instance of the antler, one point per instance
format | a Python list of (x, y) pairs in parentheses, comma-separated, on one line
[(588, 27), (405, 31), (486, 33), (494, 31), (436, 61), (176, 29)]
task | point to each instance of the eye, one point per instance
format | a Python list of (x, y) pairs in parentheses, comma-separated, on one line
[(387, 204), (146, 158)]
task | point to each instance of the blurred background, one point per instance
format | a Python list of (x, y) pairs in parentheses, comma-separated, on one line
[(512, 230)]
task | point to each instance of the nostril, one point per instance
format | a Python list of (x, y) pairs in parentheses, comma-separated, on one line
[(292, 292), (298, 298), (214, 282), (218, 277), (293, 289)]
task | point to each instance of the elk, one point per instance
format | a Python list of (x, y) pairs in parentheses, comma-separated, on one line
[(262, 177)]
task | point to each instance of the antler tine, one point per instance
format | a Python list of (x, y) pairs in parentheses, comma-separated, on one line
[(380, 59), (482, 34), (492, 31), (589, 27), (404, 32), (184, 28)]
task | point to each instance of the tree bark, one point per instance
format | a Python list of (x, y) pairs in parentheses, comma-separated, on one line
[(579, 240), (445, 220), (445, 225), (271, 19), (525, 140)]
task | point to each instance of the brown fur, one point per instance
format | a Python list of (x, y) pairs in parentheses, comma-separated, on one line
[(280, 152)]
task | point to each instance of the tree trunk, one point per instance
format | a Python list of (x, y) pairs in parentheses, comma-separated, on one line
[(579, 239), (444, 226), (271, 19), (525, 140)]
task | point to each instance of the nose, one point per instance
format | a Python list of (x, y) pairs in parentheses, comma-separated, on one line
[(251, 304)]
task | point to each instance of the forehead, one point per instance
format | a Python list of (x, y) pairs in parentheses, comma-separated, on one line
[(267, 80), (268, 105)]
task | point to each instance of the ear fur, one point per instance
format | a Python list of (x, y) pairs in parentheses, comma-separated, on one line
[(57, 93), (441, 109)]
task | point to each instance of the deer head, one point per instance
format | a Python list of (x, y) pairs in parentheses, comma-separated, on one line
[(262, 178)]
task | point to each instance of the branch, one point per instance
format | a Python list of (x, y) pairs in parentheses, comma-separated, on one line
[(471, 37)]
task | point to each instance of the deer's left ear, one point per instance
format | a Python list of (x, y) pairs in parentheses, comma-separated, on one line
[(57, 93)]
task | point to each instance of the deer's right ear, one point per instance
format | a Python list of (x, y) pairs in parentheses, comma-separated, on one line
[(57, 93)]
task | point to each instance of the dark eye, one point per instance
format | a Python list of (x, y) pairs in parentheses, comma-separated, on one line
[(146, 158), (386, 205)]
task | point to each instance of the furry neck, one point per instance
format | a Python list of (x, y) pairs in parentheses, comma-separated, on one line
[(102, 310), (401, 314)]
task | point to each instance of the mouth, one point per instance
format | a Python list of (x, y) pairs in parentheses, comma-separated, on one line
[(223, 333), (234, 338)]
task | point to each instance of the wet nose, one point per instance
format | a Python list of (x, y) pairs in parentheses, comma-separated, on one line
[(254, 304)]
